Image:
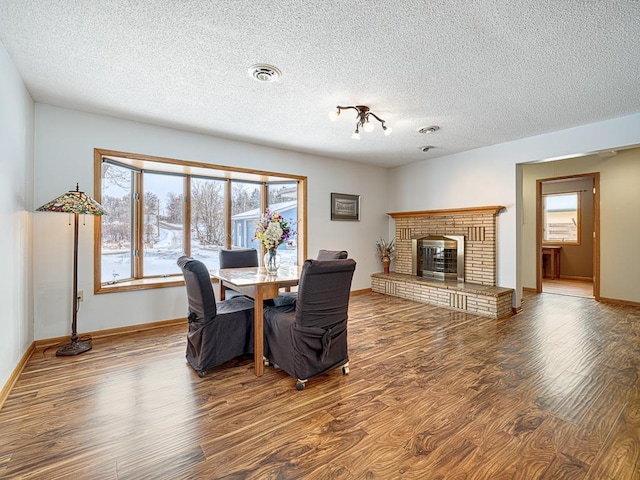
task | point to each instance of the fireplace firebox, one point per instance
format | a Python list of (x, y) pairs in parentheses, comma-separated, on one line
[(439, 256)]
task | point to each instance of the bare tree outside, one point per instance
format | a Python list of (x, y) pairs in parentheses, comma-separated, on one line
[(151, 206), (175, 207), (116, 176), (116, 231), (116, 227), (244, 197), (207, 211)]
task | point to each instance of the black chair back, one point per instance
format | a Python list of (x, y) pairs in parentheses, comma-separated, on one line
[(332, 255), (217, 332), (200, 295), (323, 292), (238, 258)]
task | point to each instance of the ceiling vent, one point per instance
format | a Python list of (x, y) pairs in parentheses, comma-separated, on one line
[(431, 129), (265, 73), (607, 154)]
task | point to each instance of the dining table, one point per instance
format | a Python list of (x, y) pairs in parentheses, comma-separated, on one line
[(257, 283)]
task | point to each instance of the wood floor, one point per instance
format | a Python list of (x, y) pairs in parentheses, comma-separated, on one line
[(565, 286), (550, 393)]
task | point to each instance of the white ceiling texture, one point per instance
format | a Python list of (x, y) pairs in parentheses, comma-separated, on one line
[(485, 71)]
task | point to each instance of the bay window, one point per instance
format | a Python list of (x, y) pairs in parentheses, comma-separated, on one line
[(159, 209)]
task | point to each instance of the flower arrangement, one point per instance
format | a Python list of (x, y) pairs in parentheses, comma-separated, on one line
[(386, 249), (272, 229)]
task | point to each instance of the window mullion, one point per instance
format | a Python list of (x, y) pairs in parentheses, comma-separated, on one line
[(138, 220), (228, 234), (264, 203), (187, 214)]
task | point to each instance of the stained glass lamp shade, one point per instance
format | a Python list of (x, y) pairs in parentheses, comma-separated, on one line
[(76, 203)]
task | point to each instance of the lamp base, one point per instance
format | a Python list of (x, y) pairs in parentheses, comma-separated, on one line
[(73, 348)]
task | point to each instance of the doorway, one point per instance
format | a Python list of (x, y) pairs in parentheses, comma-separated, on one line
[(568, 235)]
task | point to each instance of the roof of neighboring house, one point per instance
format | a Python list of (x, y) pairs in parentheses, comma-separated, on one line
[(275, 207)]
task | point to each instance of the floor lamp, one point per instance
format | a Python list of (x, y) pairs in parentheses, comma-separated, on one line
[(74, 203)]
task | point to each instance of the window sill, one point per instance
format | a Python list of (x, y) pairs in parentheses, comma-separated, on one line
[(140, 284)]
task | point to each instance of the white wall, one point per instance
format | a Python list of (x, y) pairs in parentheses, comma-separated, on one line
[(65, 140), (16, 189), (488, 176), (619, 227)]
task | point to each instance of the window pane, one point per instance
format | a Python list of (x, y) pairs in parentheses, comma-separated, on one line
[(283, 198), (561, 217), (245, 210), (116, 242), (163, 223), (207, 220)]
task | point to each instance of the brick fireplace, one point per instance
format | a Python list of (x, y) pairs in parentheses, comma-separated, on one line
[(476, 225), (477, 291)]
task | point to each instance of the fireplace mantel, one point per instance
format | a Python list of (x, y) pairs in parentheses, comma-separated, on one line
[(493, 210)]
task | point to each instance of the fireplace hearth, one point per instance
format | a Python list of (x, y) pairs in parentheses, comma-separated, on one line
[(438, 256), (473, 288)]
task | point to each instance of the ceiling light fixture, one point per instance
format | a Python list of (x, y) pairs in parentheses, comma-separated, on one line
[(431, 129), (363, 116), (265, 73)]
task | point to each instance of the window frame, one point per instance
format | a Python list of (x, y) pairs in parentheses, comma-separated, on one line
[(188, 169), (544, 219)]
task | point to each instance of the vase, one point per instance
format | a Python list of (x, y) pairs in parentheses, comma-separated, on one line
[(272, 261), (386, 261)]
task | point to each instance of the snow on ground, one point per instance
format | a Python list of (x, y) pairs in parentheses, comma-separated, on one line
[(160, 259)]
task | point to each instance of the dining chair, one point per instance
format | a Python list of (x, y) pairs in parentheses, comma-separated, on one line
[(237, 258), (309, 338), (289, 298), (332, 255), (218, 331)]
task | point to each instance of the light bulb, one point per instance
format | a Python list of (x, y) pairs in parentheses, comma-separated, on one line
[(333, 115), (356, 135), (387, 130), (368, 127)]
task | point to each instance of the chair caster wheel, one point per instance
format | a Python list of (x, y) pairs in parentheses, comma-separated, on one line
[(345, 370), (201, 373), (300, 384), (266, 362)]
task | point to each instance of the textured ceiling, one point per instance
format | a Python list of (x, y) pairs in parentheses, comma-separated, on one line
[(486, 71)]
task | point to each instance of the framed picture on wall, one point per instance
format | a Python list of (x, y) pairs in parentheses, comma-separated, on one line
[(345, 207)]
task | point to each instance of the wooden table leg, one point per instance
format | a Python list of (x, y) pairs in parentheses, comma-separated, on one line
[(258, 332)]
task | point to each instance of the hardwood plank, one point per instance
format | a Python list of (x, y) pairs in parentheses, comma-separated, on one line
[(567, 286), (551, 393), (619, 457)]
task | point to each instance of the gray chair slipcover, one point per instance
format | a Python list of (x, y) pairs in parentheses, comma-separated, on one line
[(218, 331), (237, 258), (332, 255), (310, 337), (289, 298)]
